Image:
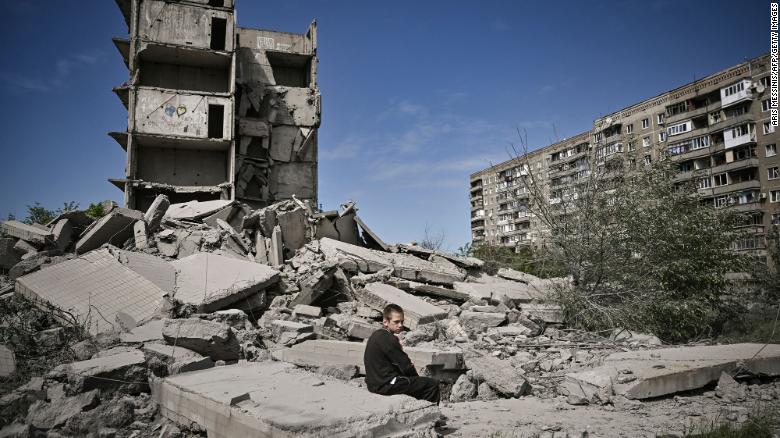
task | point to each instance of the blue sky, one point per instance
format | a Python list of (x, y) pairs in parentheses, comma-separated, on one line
[(416, 95)]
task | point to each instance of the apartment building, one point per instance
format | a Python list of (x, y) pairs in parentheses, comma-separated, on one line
[(215, 111), (716, 129)]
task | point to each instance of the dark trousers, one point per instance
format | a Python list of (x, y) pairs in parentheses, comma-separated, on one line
[(421, 388)]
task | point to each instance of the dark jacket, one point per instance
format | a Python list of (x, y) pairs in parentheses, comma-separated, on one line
[(384, 359)]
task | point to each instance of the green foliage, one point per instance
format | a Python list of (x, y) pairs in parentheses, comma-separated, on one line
[(95, 210), (38, 214), (763, 422), (644, 253), (467, 250)]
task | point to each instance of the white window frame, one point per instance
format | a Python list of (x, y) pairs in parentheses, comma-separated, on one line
[(661, 137), (716, 178), (661, 118), (645, 123), (770, 148), (765, 105), (630, 128), (772, 172), (774, 196), (646, 142), (705, 183), (768, 128)]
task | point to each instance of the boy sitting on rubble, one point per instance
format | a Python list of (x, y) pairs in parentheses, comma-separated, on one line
[(388, 369)]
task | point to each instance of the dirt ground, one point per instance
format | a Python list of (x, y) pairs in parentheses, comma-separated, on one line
[(530, 416)]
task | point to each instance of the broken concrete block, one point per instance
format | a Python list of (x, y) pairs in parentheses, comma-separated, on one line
[(29, 233), (549, 313), (8, 256), (322, 352), (463, 389), (313, 285), (427, 289), (213, 282), (94, 288), (293, 226), (276, 399), (213, 339), (35, 261), (499, 290), (45, 416), (233, 215), (155, 213), (590, 386), (370, 237), (499, 374), (405, 266), (346, 226), (114, 228), (425, 253), (416, 311), (361, 329), (730, 390), (124, 372), (292, 179), (139, 232), (24, 248), (669, 370), (478, 322), (261, 251), (252, 127), (149, 331), (325, 228), (7, 361), (154, 269), (290, 332), (177, 358), (62, 234), (522, 277), (307, 311), (623, 335), (194, 210), (275, 254)]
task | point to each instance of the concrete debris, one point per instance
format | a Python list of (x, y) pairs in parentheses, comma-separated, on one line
[(177, 358), (124, 372), (155, 213), (7, 361), (62, 234), (549, 313), (416, 311), (33, 235), (114, 228), (93, 288), (274, 398), (47, 416), (8, 255), (655, 373), (499, 374), (194, 210), (149, 331), (212, 282), (213, 339)]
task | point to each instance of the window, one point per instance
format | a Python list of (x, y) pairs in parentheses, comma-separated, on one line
[(646, 142), (721, 201), (739, 131), (630, 128), (700, 142), (720, 180), (750, 242), (768, 128), (774, 196), (772, 172), (686, 167), (679, 128), (216, 121), (218, 33), (645, 123), (677, 108), (764, 81), (632, 145), (661, 119), (771, 150), (775, 218), (705, 183), (736, 88), (648, 160), (661, 137), (765, 105)]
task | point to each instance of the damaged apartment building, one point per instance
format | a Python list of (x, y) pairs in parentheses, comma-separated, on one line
[(716, 129), (216, 111)]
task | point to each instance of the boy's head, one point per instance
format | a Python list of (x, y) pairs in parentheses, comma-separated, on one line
[(393, 318)]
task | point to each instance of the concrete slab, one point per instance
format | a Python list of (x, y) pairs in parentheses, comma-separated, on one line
[(405, 266), (275, 399), (275, 253), (551, 313), (464, 262), (125, 370), (499, 374), (154, 269), (428, 289), (94, 288), (307, 311), (178, 358), (370, 237), (498, 290), (7, 361), (26, 232), (194, 210), (670, 370), (114, 228), (324, 352), (62, 234), (362, 329), (209, 338), (213, 282), (293, 226), (416, 311), (155, 213), (150, 331), (140, 235)]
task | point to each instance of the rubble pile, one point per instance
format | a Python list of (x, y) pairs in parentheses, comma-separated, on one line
[(203, 312)]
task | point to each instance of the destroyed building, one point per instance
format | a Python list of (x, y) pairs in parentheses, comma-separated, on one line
[(216, 111), (716, 129)]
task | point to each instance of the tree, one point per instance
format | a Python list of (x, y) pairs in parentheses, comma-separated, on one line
[(431, 239), (38, 214), (643, 250)]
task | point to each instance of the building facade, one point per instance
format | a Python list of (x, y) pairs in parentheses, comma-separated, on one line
[(216, 111), (716, 129)]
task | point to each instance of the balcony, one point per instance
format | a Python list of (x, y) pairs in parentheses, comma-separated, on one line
[(728, 188), (735, 165), (745, 94), (746, 207), (693, 154), (732, 142), (730, 122), (692, 114)]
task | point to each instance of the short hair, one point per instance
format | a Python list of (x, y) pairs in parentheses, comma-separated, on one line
[(389, 309)]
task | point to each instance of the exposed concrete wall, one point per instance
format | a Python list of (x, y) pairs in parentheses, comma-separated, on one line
[(182, 167), (179, 113), (190, 26), (184, 77)]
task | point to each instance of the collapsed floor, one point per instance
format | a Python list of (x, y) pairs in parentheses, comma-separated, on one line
[(212, 317)]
